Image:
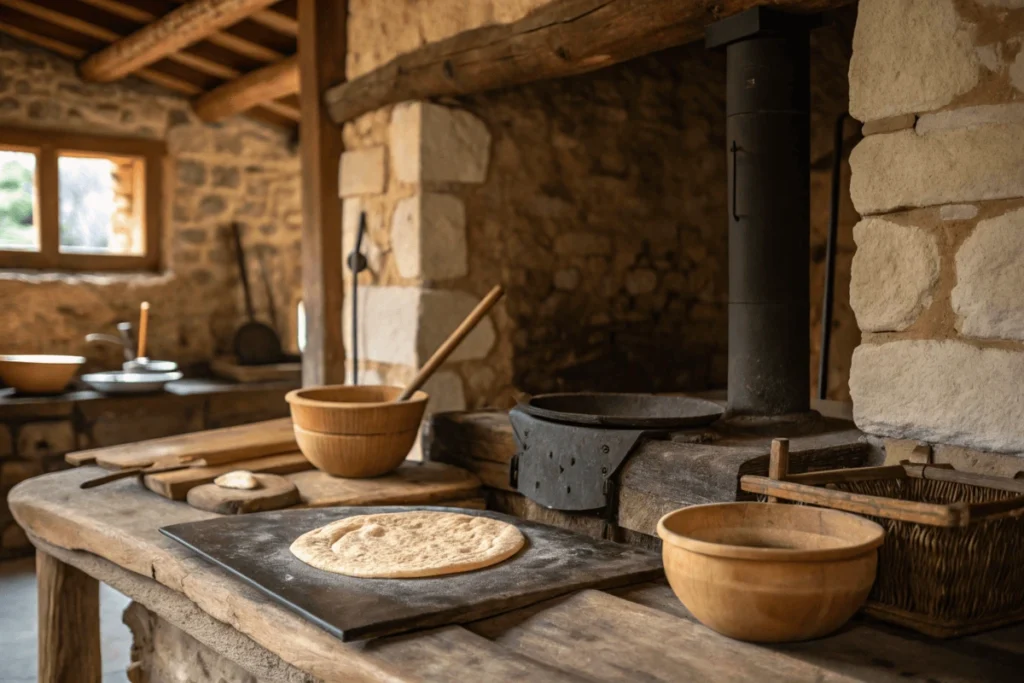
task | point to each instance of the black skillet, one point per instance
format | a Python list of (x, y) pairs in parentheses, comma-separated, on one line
[(255, 343)]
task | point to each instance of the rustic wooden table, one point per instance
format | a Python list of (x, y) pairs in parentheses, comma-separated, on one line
[(640, 633)]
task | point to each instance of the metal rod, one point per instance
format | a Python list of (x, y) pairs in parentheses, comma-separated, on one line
[(830, 255), (356, 262)]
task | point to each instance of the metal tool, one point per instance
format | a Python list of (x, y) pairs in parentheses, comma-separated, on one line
[(255, 343), (131, 472)]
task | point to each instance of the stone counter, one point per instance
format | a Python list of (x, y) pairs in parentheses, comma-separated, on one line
[(36, 432)]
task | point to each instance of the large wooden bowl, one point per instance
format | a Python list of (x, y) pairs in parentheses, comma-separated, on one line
[(769, 573), (355, 431), (38, 373)]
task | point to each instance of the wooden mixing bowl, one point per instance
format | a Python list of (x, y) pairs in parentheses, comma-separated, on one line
[(348, 409), (769, 573), (38, 373), (355, 456), (355, 431)]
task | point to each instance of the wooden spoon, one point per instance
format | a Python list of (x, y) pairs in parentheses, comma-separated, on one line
[(143, 328), (453, 341)]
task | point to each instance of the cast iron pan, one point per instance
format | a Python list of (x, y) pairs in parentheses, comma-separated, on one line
[(255, 343), (624, 410)]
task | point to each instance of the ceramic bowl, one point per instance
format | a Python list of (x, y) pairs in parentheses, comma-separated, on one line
[(38, 373), (355, 456), (348, 409), (770, 573)]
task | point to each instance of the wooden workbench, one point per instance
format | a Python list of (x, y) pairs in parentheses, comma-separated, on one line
[(640, 633)]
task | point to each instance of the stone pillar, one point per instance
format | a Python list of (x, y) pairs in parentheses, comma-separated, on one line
[(938, 278), (405, 173)]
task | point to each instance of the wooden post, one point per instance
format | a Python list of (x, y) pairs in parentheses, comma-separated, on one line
[(322, 49), (69, 623), (778, 463)]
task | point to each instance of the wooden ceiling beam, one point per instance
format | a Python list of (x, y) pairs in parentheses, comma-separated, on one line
[(163, 37), (244, 47), (564, 38), (258, 87), (91, 30)]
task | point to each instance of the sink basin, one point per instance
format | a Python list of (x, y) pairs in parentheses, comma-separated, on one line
[(120, 382)]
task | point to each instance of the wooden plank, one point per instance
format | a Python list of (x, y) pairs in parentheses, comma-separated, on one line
[(322, 51), (245, 92), (560, 39), (69, 623), (167, 35), (458, 437), (414, 483), (611, 639), (214, 446), (176, 485), (229, 369)]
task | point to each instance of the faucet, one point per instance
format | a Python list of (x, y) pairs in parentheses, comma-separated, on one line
[(126, 341)]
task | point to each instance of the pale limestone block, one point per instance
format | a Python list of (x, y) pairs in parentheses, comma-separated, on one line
[(350, 210), (42, 439), (989, 295), (367, 376), (958, 212), (892, 275), (428, 237), (430, 143), (940, 391), (971, 117), (441, 311), (446, 392), (888, 125), (904, 169), (1016, 71), (362, 172), (388, 324), (908, 57)]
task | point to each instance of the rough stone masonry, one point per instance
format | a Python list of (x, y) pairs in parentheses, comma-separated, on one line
[(938, 277)]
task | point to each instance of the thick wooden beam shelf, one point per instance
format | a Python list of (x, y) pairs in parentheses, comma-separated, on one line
[(564, 38)]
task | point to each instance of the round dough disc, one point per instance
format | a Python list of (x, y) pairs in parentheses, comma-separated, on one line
[(400, 545)]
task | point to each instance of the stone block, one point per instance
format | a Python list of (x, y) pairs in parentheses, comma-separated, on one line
[(42, 439), (988, 298), (971, 117), (904, 169), (641, 281), (362, 172), (14, 472), (434, 144), (888, 125), (909, 57), (428, 237), (446, 392), (14, 539), (405, 325), (242, 407), (894, 271), (114, 421), (567, 279), (582, 244), (946, 391), (6, 445), (958, 212)]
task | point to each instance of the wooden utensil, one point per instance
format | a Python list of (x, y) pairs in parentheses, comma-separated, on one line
[(274, 492), (453, 341), (143, 329), (124, 474)]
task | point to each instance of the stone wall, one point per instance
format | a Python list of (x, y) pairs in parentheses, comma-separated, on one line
[(235, 171), (597, 201), (939, 270)]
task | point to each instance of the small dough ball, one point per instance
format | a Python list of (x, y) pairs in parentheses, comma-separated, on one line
[(239, 479)]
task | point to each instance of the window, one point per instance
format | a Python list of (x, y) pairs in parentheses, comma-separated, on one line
[(79, 202)]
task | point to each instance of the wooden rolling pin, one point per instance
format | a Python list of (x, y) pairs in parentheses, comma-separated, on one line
[(453, 341)]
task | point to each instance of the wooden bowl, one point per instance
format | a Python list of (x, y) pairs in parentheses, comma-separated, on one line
[(347, 409), (769, 573), (37, 373), (356, 456)]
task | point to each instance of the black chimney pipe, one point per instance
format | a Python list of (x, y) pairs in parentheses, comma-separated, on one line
[(768, 147)]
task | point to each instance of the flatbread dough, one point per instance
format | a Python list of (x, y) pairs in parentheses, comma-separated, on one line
[(239, 479), (399, 545)]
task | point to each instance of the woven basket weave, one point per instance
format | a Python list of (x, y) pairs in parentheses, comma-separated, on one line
[(943, 580)]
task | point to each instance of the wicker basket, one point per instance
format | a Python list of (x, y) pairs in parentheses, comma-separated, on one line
[(953, 558)]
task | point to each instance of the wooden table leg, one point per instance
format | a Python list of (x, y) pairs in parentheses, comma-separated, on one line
[(69, 623)]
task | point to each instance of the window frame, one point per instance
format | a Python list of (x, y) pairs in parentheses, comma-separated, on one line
[(48, 145)]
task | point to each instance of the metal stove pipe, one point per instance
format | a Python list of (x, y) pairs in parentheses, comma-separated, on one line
[(768, 146)]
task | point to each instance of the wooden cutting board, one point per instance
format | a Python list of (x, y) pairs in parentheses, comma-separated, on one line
[(215, 446), (176, 485), (414, 483)]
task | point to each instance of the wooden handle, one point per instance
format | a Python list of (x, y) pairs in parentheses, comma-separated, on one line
[(453, 341), (778, 464), (143, 328), (133, 471)]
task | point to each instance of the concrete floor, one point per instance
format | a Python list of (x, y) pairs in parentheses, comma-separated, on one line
[(18, 625)]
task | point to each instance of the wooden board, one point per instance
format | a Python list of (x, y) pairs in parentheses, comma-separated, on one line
[(214, 445), (414, 483), (255, 548), (229, 369), (273, 493), (176, 485)]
